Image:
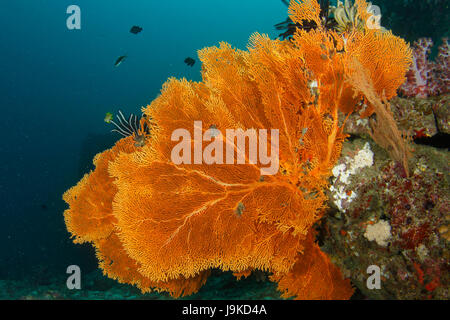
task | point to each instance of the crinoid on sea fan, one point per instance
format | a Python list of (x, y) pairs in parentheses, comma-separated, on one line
[(163, 224)]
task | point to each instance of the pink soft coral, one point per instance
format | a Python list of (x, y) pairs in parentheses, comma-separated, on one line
[(427, 78), (442, 70)]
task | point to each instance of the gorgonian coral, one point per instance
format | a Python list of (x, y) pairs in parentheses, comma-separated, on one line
[(160, 224)]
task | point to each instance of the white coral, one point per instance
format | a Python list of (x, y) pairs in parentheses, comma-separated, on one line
[(343, 172), (380, 232)]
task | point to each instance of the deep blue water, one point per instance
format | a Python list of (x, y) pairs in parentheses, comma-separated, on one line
[(57, 84)]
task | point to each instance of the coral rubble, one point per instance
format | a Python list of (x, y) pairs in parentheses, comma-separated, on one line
[(395, 222)]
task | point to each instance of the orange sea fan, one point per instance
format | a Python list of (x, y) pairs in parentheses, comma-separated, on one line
[(313, 277), (160, 224), (89, 216), (308, 10), (190, 220), (193, 217), (384, 56), (116, 264), (90, 219)]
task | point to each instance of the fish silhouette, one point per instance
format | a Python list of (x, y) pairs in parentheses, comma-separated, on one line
[(135, 29), (189, 61), (119, 60)]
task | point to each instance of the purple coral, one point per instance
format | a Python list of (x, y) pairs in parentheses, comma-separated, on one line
[(442, 70), (428, 78)]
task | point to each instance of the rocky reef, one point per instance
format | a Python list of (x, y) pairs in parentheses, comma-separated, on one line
[(381, 217)]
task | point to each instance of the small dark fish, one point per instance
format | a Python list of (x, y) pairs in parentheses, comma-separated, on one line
[(189, 61), (135, 29), (44, 206), (108, 117), (119, 61)]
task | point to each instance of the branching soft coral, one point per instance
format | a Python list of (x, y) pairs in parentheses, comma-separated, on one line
[(164, 225), (428, 78)]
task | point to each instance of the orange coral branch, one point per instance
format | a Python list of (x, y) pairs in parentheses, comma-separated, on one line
[(90, 216), (314, 277), (308, 10)]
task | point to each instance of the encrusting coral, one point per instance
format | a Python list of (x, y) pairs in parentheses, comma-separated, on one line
[(157, 224)]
